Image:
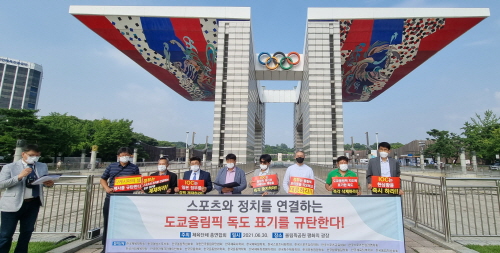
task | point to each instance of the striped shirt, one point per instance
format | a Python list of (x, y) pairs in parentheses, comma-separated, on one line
[(117, 170)]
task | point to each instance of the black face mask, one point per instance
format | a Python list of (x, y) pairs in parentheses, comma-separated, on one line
[(299, 159)]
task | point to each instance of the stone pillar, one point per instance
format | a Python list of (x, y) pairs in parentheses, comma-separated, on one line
[(474, 160), (438, 160), (204, 162), (93, 156), (134, 160), (19, 149), (422, 162), (280, 157), (462, 161), (186, 164), (82, 160)]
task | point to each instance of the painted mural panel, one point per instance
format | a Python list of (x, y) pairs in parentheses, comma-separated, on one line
[(184, 48), (378, 53)]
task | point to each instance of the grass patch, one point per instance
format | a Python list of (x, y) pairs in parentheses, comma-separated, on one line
[(39, 247), (485, 248)]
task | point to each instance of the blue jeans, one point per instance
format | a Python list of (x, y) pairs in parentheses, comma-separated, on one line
[(27, 215)]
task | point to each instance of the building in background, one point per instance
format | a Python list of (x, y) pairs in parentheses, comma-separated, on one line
[(20, 84)]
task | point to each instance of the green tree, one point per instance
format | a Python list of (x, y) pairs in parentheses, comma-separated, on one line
[(166, 144), (17, 124), (480, 133), (396, 145), (446, 143), (110, 135), (61, 134)]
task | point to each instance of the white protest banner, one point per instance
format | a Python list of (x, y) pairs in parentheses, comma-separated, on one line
[(284, 223)]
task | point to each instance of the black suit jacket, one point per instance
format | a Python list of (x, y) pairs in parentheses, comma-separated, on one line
[(375, 170), (205, 176), (172, 181)]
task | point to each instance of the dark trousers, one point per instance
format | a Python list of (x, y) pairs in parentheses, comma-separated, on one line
[(105, 213), (27, 215)]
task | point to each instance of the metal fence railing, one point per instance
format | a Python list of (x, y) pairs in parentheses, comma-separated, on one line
[(450, 206), (466, 206), (72, 205)]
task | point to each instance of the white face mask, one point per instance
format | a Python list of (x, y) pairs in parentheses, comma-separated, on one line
[(124, 159), (384, 154), (195, 168), (263, 167), (343, 167), (32, 159), (230, 165), (162, 167)]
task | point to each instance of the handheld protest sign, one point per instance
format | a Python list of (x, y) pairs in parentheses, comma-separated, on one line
[(301, 186), (266, 183), (190, 186), (386, 185), (128, 183), (154, 184)]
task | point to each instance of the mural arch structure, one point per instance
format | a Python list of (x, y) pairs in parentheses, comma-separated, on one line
[(349, 55)]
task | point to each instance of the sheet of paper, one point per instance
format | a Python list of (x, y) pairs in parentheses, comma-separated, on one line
[(52, 177)]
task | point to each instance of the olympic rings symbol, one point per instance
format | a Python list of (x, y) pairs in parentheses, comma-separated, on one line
[(273, 62)]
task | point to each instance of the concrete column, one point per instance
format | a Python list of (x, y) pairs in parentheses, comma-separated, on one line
[(438, 160), (186, 164), (474, 160), (93, 156), (134, 160), (204, 162), (82, 160), (462, 160), (19, 149), (422, 162)]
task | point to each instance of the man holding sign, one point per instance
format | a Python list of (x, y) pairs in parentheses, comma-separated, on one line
[(298, 175), (166, 188), (119, 169), (342, 180), (263, 181), (195, 173), (384, 166)]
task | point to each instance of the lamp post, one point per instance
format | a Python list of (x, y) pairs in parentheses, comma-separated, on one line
[(187, 150), (376, 139), (367, 146)]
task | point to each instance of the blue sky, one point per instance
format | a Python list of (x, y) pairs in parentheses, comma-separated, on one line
[(86, 77)]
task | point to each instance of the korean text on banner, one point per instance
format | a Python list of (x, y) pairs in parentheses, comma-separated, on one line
[(301, 186), (191, 186), (128, 183), (345, 185), (287, 223), (266, 183), (386, 185), (153, 184)]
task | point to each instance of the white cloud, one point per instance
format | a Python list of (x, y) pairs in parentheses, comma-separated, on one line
[(479, 43), (497, 96), (116, 56)]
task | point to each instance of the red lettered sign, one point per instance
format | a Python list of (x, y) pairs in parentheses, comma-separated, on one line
[(154, 184), (386, 182), (190, 186), (266, 183), (345, 183), (266, 180), (128, 183), (301, 186)]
